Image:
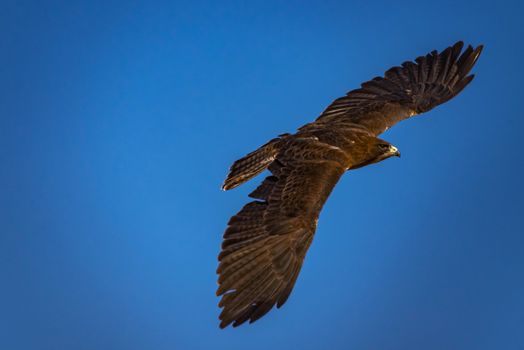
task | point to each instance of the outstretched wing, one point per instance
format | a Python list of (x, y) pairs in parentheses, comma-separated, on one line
[(266, 242), (414, 88)]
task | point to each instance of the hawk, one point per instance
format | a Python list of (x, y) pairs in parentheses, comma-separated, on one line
[(266, 242)]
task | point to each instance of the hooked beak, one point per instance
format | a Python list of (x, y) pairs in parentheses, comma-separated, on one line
[(395, 152)]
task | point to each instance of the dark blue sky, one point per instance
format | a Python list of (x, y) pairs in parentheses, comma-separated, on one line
[(119, 120)]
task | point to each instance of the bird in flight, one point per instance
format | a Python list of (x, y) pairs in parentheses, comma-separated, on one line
[(266, 242)]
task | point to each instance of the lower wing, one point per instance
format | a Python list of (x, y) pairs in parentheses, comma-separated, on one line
[(266, 242)]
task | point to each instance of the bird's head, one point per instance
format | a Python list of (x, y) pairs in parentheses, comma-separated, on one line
[(384, 150), (377, 151)]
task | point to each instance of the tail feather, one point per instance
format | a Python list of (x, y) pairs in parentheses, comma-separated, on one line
[(251, 165)]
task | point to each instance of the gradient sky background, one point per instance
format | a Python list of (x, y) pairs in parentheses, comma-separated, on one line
[(119, 120)]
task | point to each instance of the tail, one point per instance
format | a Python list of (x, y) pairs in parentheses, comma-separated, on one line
[(251, 165)]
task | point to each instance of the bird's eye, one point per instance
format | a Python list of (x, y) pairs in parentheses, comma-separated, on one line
[(384, 146)]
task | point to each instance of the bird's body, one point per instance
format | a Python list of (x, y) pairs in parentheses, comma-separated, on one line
[(266, 242)]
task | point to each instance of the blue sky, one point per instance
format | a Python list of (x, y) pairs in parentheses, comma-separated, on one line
[(119, 120)]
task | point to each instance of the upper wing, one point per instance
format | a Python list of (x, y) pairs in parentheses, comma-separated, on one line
[(266, 242), (413, 88)]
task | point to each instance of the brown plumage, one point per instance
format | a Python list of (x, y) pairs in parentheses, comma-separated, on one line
[(266, 242)]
